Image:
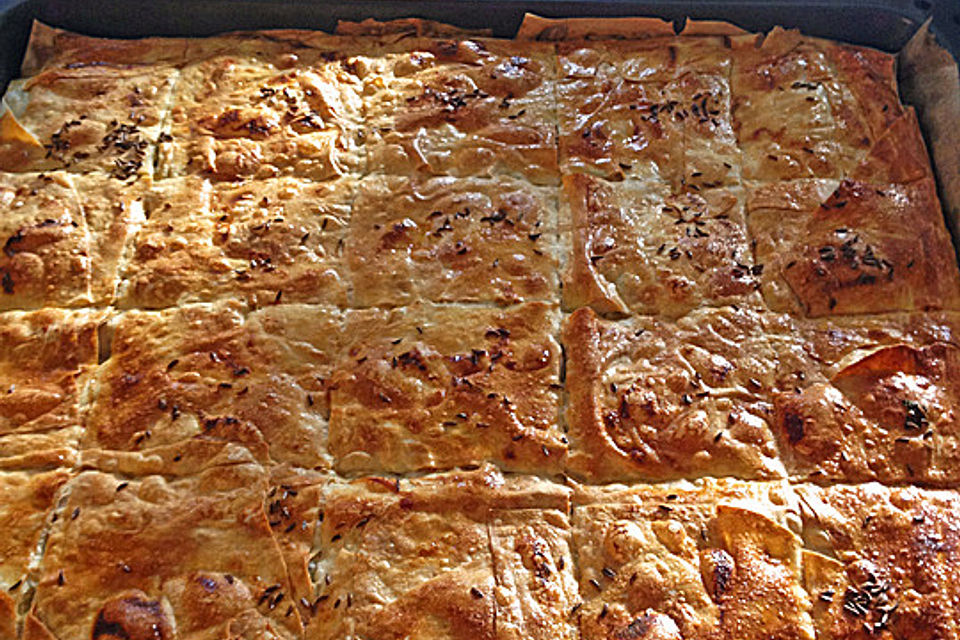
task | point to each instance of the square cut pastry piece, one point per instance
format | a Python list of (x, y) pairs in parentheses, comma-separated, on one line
[(467, 555), (862, 248), (882, 561), (716, 559), (46, 358), (265, 107), (436, 386), (656, 109), (185, 386), (657, 399), (808, 108), (452, 240), (463, 107), (60, 246), (89, 117), (27, 498), (870, 398), (164, 558), (266, 241), (636, 248)]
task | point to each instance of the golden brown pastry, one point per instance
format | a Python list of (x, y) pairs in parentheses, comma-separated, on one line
[(294, 505), (636, 248), (898, 156), (436, 386), (426, 387), (655, 109), (62, 238), (282, 353), (654, 399), (46, 358), (206, 382), (27, 499), (46, 247), (85, 118), (802, 106), (269, 241), (869, 398), (461, 555), (864, 248), (405, 27), (157, 558), (881, 561), (113, 212), (262, 107), (717, 559), (452, 240), (50, 48), (464, 107)]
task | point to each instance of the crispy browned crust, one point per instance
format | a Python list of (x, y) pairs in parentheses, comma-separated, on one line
[(871, 77), (294, 505), (312, 385), (50, 47), (656, 110), (654, 399), (265, 107), (89, 118), (46, 358), (464, 107), (881, 559), (717, 560), (27, 499), (199, 383), (462, 555), (425, 387), (870, 398), (406, 27), (452, 240), (848, 399), (62, 238), (898, 156), (142, 558), (113, 211), (45, 243), (866, 248), (276, 240), (820, 128), (434, 387), (536, 27), (642, 250)]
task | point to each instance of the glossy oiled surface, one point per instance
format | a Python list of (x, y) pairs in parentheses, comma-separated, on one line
[(409, 333), (452, 240)]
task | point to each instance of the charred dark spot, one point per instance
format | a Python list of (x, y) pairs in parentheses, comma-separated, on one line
[(446, 48), (793, 424), (10, 247), (915, 418), (7, 283), (722, 572), (637, 629), (132, 618)]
